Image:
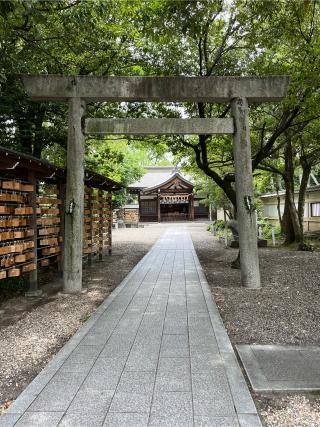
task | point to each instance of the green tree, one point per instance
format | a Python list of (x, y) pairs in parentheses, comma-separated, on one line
[(60, 37)]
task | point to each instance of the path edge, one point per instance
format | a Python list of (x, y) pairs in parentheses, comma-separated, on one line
[(245, 407)]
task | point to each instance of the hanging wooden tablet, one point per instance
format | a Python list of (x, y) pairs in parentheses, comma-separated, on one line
[(14, 272)]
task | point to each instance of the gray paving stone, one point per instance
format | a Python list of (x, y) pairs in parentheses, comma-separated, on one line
[(207, 381), (153, 331), (103, 380), (59, 392), (146, 336), (174, 326), (108, 364), (22, 403), (118, 345), (151, 322), (249, 420), (167, 364), (9, 420), (210, 349), (204, 329), (126, 420), (35, 419), (173, 375), (93, 399), (174, 346), (281, 368), (81, 359), (140, 361), (211, 394), (137, 382), (131, 402), (241, 396), (81, 419), (94, 338), (202, 339), (218, 404), (172, 409), (204, 362), (142, 347), (202, 421)]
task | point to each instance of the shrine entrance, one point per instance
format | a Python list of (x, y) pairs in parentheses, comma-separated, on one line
[(174, 210)]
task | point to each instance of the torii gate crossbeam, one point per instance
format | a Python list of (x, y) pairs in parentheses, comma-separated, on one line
[(239, 91), (159, 126)]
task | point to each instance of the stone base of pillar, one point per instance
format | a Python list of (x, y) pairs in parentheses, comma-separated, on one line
[(33, 294)]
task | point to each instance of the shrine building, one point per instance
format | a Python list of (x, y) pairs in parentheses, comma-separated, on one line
[(164, 194)]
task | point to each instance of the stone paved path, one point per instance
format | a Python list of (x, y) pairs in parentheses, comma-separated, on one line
[(155, 353)]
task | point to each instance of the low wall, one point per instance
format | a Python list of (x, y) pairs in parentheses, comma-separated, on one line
[(130, 216)]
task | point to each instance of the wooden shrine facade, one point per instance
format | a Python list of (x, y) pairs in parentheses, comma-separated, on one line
[(171, 199), (33, 210)]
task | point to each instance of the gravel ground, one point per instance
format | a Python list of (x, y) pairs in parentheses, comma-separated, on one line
[(285, 311), (35, 334)]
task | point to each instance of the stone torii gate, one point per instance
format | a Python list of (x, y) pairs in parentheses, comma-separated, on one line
[(77, 90)]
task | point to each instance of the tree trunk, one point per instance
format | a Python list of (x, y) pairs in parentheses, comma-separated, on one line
[(306, 170), (277, 186), (286, 223), (39, 140), (291, 225)]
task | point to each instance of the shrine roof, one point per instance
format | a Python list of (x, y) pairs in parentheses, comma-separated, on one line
[(156, 176)]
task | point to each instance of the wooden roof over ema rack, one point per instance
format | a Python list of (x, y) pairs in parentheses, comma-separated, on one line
[(13, 161)]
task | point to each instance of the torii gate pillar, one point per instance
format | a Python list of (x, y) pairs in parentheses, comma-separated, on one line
[(72, 271), (246, 215)]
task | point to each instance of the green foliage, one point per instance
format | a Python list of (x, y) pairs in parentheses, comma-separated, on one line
[(193, 38), (219, 224), (119, 161), (267, 229)]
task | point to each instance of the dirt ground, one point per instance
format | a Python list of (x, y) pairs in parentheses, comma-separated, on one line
[(286, 310)]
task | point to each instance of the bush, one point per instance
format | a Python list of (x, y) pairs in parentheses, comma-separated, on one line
[(267, 229), (219, 224)]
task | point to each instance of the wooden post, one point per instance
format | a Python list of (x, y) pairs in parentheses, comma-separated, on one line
[(139, 202), (101, 220), (73, 239), (159, 208), (246, 215), (33, 275), (89, 207), (62, 194), (110, 216), (191, 204)]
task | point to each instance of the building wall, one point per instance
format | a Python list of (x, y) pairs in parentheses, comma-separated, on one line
[(148, 209), (200, 210), (311, 211)]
